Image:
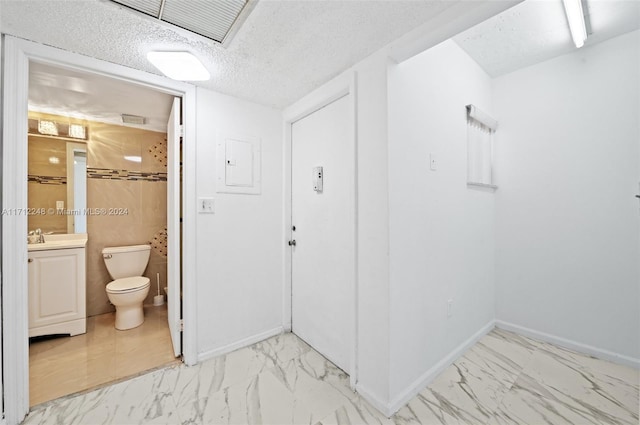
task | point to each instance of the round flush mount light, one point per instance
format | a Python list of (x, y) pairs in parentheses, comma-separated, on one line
[(182, 66)]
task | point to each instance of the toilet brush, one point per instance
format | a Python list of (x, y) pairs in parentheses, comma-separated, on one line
[(158, 299)]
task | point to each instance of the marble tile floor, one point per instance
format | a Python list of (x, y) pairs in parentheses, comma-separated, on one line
[(503, 379), (68, 365)]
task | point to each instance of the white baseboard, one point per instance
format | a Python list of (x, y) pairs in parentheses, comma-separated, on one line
[(423, 381), (571, 345), (206, 355), (373, 399)]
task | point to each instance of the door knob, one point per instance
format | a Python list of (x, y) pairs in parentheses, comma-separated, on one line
[(292, 243)]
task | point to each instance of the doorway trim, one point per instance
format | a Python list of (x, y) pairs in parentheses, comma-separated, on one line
[(344, 85), (17, 54)]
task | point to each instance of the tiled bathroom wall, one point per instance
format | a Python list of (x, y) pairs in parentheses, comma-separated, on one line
[(135, 197), (127, 183)]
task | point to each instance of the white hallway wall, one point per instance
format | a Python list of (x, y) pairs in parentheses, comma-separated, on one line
[(567, 220), (448, 241), (441, 231), (240, 246)]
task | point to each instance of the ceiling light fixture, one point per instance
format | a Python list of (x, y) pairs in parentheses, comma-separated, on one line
[(49, 128), (182, 66), (77, 131), (575, 16)]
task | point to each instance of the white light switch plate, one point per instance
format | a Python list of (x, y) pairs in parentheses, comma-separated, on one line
[(205, 205), (433, 161)]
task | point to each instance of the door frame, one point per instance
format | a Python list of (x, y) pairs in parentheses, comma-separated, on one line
[(17, 55), (342, 86)]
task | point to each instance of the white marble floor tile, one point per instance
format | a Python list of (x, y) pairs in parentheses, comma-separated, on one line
[(213, 375), (356, 412), (318, 387), (302, 390), (247, 402), (427, 408), (313, 372), (512, 339), (282, 348), (263, 399), (142, 400), (503, 353), (564, 380), (503, 379), (524, 406), (470, 390), (465, 395)]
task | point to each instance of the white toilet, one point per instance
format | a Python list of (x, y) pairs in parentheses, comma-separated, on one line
[(129, 289)]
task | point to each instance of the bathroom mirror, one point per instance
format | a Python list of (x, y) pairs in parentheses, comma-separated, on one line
[(77, 187), (57, 188)]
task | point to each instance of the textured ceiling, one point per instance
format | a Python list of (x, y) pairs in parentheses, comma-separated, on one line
[(284, 50), (94, 97), (535, 31)]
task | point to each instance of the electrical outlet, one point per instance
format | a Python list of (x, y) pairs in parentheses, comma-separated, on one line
[(449, 307)]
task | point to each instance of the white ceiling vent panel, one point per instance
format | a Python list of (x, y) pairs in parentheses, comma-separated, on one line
[(213, 19), (150, 7)]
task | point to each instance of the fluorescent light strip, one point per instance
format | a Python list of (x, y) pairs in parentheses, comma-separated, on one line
[(575, 16)]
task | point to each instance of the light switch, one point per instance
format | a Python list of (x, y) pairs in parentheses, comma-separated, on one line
[(433, 161), (59, 205), (205, 206)]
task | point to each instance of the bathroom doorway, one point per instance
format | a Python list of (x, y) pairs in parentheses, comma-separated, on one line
[(18, 54), (102, 157)]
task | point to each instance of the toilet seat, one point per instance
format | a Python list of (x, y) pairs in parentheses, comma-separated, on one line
[(128, 284)]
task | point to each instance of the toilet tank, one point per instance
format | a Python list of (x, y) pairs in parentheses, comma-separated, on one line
[(126, 261)]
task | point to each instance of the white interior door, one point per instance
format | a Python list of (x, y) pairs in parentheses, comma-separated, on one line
[(323, 260), (173, 227)]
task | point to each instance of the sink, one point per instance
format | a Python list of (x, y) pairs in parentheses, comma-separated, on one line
[(61, 241)]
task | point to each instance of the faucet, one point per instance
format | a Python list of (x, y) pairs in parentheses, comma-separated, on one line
[(35, 236), (40, 235)]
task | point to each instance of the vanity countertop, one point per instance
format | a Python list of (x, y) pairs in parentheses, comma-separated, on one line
[(67, 241)]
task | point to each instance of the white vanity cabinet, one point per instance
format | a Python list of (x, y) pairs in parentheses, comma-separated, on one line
[(57, 290)]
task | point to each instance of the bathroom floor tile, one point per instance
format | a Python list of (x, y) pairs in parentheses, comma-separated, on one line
[(62, 366)]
